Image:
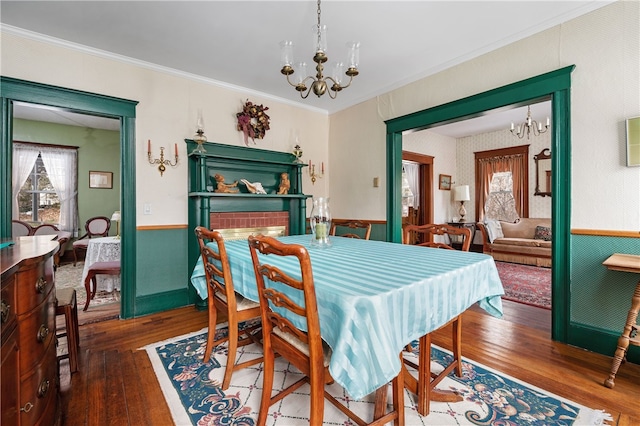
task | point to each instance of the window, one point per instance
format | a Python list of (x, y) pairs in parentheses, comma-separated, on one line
[(45, 184), (513, 160), (37, 199)]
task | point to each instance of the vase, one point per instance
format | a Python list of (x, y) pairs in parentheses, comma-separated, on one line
[(320, 221)]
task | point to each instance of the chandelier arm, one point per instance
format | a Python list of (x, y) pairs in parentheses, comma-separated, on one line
[(308, 91)]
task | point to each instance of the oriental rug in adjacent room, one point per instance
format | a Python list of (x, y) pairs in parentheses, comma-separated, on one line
[(526, 284), (104, 305), (192, 391)]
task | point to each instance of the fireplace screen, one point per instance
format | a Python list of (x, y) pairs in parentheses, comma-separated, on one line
[(243, 233)]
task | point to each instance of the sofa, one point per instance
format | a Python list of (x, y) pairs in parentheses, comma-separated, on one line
[(528, 241)]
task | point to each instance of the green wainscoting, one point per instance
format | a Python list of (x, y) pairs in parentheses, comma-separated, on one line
[(162, 271), (600, 298)]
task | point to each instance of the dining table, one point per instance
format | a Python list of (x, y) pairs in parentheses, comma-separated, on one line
[(103, 249), (374, 298)]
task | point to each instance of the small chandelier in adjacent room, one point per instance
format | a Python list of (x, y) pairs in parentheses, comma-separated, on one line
[(319, 83), (529, 126)]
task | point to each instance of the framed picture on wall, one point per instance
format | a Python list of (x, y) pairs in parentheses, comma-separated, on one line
[(444, 182), (101, 180), (633, 141)]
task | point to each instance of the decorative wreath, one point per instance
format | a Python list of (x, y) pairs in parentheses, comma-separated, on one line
[(253, 122)]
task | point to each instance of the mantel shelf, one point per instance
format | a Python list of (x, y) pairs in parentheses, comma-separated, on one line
[(246, 195)]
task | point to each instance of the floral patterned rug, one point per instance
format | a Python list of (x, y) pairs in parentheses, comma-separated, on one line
[(68, 275), (193, 393), (526, 284)]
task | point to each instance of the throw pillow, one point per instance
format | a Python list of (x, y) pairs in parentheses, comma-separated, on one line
[(542, 233), (494, 229)]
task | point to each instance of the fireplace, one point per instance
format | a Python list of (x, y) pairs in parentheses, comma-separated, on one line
[(242, 211)]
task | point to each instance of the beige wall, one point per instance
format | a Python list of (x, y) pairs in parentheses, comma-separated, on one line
[(605, 47), (166, 114)]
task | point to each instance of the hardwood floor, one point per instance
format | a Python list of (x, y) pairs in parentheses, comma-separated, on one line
[(116, 385)]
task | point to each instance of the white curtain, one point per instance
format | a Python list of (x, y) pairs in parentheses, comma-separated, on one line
[(61, 164), (24, 158), (412, 171)]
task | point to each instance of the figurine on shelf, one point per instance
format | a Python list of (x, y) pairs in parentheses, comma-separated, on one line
[(285, 184), (255, 187), (225, 187)]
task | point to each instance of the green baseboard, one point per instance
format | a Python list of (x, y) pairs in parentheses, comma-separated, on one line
[(159, 302), (600, 341)]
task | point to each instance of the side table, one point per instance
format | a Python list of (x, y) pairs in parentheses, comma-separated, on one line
[(629, 336), (472, 227)]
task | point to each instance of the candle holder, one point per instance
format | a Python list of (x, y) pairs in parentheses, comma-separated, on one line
[(161, 162), (320, 221), (298, 153), (312, 172)]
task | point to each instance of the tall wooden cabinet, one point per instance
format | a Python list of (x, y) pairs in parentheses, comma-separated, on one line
[(29, 365)]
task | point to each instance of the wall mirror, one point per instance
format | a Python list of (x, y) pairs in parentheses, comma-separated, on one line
[(543, 173)]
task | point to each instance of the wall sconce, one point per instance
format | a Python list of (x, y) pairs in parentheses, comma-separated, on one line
[(161, 161), (313, 174)]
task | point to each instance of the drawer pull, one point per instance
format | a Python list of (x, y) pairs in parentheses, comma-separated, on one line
[(27, 407), (6, 309), (43, 388), (42, 333), (41, 284)]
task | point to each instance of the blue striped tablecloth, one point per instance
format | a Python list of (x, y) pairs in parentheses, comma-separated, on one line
[(376, 297)]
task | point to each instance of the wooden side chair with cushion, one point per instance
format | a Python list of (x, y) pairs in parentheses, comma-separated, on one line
[(98, 268), (357, 228), (97, 226), (62, 237), (66, 304), (425, 234), (20, 229), (222, 297), (305, 350)]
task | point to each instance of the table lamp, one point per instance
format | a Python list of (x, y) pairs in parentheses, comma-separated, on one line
[(116, 218), (461, 193)]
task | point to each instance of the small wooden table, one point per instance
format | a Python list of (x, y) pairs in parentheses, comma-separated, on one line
[(629, 336)]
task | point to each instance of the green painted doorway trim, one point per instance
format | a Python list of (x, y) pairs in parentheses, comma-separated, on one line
[(554, 85), (15, 90)]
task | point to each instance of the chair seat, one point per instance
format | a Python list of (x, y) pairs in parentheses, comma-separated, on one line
[(81, 244), (303, 347), (111, 266), (65, 296), (242, 304)]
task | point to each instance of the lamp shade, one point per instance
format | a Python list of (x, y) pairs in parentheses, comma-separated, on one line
[(461, 193), (116, 216)]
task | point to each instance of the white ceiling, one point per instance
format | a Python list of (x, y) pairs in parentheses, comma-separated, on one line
[(235, 43)]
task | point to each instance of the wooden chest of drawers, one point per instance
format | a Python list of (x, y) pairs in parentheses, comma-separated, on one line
[(29, 364)]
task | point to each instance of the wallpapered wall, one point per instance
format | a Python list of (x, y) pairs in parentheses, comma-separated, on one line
[(538, 206), (455, 157)]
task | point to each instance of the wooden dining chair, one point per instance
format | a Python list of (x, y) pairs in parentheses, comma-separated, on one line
[(425, 235), (91, 280), (305, 350), (356, 228), (97, 226), (222, 297)]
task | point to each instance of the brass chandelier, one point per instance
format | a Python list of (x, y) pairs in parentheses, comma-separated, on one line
[(320, 83), (529, 126)]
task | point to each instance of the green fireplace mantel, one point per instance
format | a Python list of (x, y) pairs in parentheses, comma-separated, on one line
[(236, 163)]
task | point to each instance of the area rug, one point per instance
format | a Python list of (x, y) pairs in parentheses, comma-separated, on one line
[(526, 284), (68, 275), (193, 392)]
